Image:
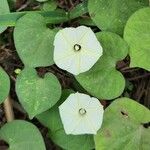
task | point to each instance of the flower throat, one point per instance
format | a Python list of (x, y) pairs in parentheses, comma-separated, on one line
[(77, 47)]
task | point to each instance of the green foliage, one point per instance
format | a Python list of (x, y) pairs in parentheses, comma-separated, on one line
[(51, 5), (22, 135), (123, 127), (78, 10), (103, 80), (41, 0), (37, 94), (137, 34), (4, 85), (57, 133), (126, 122), (52, 17), (4, 9), (12, 4), (112, 15), (34, 41)]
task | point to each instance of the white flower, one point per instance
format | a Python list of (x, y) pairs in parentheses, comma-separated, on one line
[(81, 114), (76, 49)]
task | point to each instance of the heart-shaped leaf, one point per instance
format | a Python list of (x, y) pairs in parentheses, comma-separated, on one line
[(103, 80), (4, 85), (51, 119), (37, 94), (125, 126), (137, 34), (22, 135), (111, 15), (4, 9), (34, 41)]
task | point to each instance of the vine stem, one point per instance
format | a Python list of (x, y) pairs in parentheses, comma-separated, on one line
[(9, 114)]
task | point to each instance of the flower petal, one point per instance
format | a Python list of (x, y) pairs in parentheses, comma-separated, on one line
[(83, 127), (62, 47), (76, 123), (70, 59)]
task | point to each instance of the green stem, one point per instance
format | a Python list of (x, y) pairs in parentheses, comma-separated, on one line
[(52, 17)]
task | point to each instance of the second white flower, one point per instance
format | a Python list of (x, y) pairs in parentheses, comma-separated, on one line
[(81, 114)]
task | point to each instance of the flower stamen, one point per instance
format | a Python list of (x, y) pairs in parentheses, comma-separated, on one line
[(77, 47), (82, 111)]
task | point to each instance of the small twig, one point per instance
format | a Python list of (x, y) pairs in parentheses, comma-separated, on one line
[(23, 6), (128, 69), (139, 77), (71, 3), (8, 109), (13, 78)]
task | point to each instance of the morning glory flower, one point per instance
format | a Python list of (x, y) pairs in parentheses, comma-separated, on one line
[(76, 49), (81, 114)]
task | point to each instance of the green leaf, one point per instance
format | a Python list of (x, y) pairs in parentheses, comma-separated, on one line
[(103, 80), (72, 142), (86, 21), (137, 34), (78, 10), (53, 17), (55, 122), (51, 5), (4, 9), (52, 120), (12, 3), (22, 135), (123, 127), (112, 15), (37, 94), (34, 41), (4, 85)]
